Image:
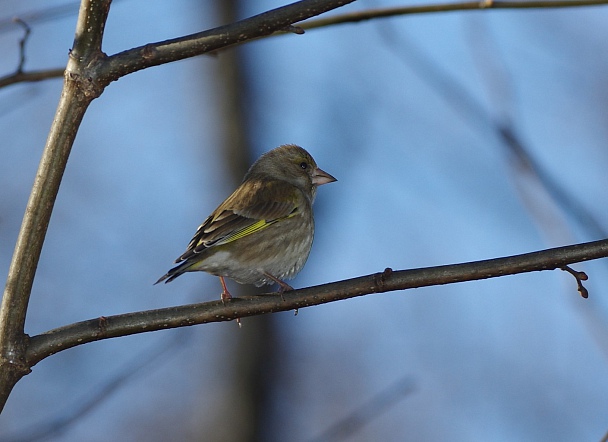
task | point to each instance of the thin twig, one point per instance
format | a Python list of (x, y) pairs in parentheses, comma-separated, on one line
[(22, 43), (31, 76), (580, 277), (354, 17)]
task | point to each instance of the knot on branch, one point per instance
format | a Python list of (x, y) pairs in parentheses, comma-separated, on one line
[(380, 280), (84, 74), (12, 360), (102, 326)]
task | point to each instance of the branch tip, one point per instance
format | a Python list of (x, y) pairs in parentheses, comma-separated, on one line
[(293, 29), (580, 277), (22, 42)]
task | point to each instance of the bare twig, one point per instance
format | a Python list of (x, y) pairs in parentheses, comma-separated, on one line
[(22, 43), (31, 76), (354, 17), (580, 277), (21, 76), (53, 341)]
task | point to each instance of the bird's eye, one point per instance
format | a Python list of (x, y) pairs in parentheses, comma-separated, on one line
[(304, 165)]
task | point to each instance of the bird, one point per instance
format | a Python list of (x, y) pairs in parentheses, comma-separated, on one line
[(263, 232)]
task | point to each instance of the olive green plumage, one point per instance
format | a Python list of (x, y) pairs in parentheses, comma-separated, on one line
[(263, 232)]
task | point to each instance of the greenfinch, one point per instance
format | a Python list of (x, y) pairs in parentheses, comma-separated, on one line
[(263, 232)]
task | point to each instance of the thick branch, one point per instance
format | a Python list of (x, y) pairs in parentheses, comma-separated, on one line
[(59, 339), (89, 28), (260, 25)]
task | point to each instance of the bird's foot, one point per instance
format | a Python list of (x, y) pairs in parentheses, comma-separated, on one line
[(226, 296), (283, 287)]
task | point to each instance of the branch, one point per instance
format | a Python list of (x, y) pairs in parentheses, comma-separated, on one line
[(30, 76), (260, 25), (22, 42), (355, 17), (70, 111), (59, 339)]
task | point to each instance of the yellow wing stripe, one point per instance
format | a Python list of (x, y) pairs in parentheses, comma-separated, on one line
[(255, 227)]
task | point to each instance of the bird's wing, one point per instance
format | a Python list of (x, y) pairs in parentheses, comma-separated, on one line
[(254, 206)]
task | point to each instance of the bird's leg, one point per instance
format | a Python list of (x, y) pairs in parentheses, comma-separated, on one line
[(283, 287), (226, 295)]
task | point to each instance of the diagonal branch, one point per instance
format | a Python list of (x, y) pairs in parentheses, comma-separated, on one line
[(354, 17), (53, 341), (260, 25)]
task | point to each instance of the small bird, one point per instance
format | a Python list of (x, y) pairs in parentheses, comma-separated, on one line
[(263, 232)]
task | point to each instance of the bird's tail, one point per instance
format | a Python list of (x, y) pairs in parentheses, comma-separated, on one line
[(174, 272)]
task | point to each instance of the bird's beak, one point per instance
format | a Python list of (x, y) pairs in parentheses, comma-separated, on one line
[(321, 177)]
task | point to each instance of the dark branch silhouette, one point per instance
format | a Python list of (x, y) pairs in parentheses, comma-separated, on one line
[(355, 17), (59, 339)]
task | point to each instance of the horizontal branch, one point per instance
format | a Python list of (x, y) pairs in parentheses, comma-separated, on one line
[(53, 341), (30, 76)]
